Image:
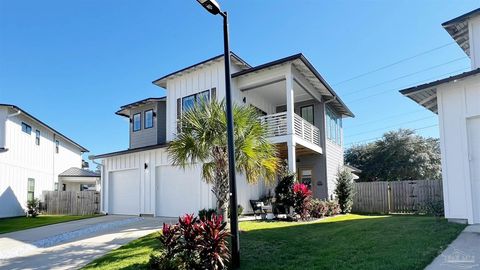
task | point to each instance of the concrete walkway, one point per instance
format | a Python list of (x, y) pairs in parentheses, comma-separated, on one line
[(463, 253), (72, 245)]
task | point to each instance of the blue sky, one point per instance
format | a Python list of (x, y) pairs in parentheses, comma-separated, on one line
[(73, 63)]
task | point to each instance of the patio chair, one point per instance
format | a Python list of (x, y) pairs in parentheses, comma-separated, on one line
[(259, 206)]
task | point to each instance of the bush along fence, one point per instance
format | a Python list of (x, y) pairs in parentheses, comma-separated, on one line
[(418, 196), (70, 202)]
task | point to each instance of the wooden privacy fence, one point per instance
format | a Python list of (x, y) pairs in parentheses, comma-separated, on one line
[(71, 202), (396, 197)]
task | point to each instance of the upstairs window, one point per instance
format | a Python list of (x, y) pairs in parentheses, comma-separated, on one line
[(148, 119), (57, 146), (306, 113), (26, 128), (37, 137), (189, 101), (137, 122), (30, 189), (334, 127)]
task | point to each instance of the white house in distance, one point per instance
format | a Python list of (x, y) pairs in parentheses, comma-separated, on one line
[(301, 111), (456, 100), (33, 157)]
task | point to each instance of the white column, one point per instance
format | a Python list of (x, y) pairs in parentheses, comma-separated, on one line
[(292, 159), (290, 100)]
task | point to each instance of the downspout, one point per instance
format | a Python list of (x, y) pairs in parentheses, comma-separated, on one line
[(102, 197), (3, 143)]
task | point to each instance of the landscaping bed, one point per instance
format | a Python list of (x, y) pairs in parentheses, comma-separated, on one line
[(342, 242), (22, 223)]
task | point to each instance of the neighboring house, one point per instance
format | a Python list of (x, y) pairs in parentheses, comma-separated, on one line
[(354, 171), (302, 113), (456, 100), (77, 179), (32, 156)]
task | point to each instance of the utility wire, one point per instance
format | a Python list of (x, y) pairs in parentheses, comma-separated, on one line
[(386, 118), (376, 138), (404, 76), (407, 86), (393, 64), (391, 126)]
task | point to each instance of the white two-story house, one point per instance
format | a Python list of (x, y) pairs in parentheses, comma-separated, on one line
[(301, 111), (456, 100), (34, 157)]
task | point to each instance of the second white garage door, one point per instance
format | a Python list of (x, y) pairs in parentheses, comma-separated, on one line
[(124, 193), (180, 192)]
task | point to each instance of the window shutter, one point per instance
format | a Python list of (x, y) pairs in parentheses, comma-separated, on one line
[(213, 93), (179, 114)]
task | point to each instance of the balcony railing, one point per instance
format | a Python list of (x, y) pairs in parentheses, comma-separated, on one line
[(276, 125)]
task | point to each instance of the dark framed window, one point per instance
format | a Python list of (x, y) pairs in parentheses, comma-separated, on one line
[(37, 137), (30, 189), (334, 127), (189, 101), (148, 117), (57, 146), (137, 122), (306, 112), (26, 128)]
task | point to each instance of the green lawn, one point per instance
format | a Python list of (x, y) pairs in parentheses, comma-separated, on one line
[(343, 242), (22, 223)]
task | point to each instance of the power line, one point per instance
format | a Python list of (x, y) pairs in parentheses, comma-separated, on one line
[(393, 64), (405, 76), (391, 126), (406, 86), (376, 138), (386, 118)]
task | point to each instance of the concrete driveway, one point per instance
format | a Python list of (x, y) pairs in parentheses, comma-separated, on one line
[(72, 245)]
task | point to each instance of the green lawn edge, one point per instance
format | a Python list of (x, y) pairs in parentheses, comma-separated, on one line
[(15, 224)]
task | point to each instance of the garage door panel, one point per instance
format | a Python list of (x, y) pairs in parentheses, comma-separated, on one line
[(180, 192), (124, 194), (473, 129)]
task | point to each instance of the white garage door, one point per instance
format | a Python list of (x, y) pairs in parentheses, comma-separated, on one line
[(473, 127), (180, 192), (124, 192)]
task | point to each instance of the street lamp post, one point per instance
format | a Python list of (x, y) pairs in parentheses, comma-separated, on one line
[(213, 7)]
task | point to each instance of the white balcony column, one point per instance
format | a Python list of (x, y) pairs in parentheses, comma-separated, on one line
[(290, 100), (292, 159)]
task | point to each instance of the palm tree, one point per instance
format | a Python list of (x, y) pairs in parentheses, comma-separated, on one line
[(203, 139)]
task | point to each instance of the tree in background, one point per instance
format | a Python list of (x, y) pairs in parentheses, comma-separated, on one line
[(398, 155), (344, 190), (203, 140)]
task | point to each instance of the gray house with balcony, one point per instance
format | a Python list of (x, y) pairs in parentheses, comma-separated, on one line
[(302, 113)]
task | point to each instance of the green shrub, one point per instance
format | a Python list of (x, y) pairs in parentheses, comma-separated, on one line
[(435, 208), (333, 208), (284, 198), (318, 208), (239, 211), (206, 213), (33, 207), (344, 190), (160, 261)]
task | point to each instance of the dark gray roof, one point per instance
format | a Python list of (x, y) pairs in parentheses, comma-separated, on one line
[(129, 151), (338, 103), (77, 172), (124, 108), (82, 149), (458, 29), (425, 94), (161, 81)]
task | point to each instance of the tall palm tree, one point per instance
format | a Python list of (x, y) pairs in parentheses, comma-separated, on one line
[(203, 139)]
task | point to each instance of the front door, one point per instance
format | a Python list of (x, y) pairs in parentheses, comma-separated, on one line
[(305, 176)]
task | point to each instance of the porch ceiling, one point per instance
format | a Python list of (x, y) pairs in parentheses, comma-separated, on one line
[(300, 150), (275, 92)]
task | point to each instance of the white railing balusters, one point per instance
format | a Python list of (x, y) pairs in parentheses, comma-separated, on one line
[(276, 125)]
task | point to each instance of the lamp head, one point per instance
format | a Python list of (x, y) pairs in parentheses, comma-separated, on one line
[(211, 6)]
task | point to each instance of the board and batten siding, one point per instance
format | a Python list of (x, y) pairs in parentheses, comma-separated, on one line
[(25, 159), (458, 103), (205, 77), (143, 137), (158, 159)]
